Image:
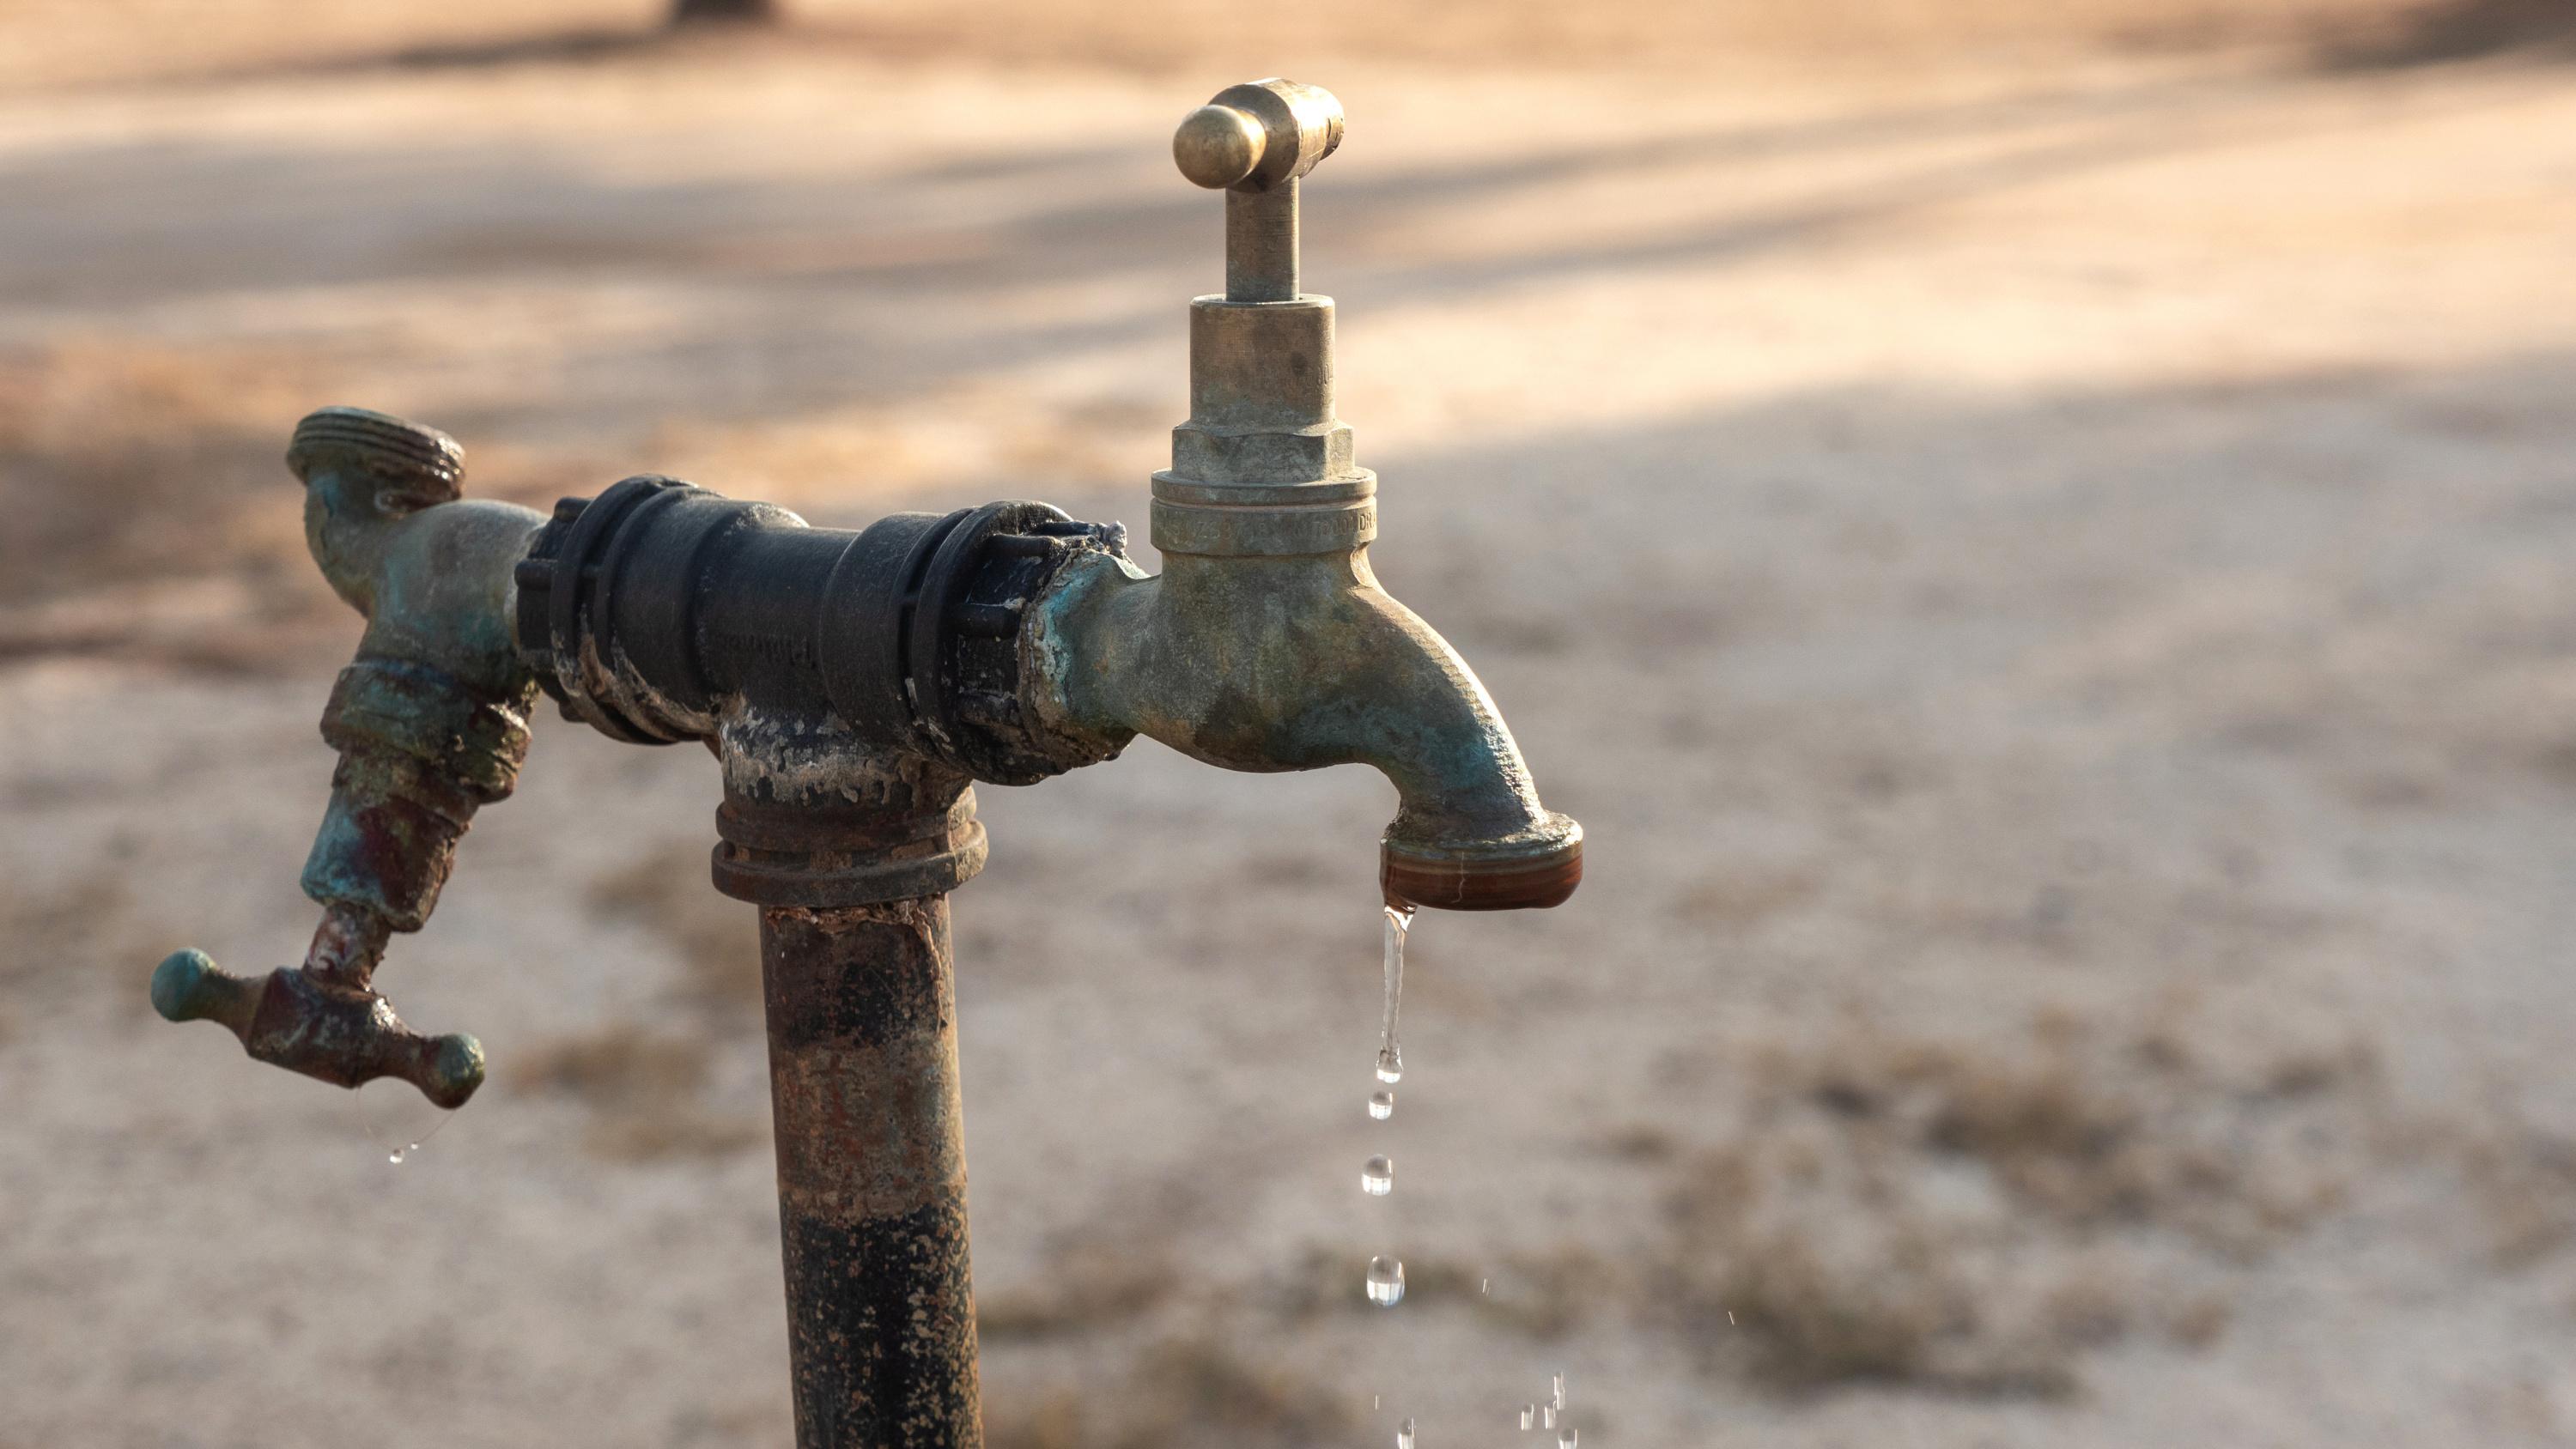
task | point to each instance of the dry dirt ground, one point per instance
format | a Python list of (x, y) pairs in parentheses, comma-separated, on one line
[(2051, 582)]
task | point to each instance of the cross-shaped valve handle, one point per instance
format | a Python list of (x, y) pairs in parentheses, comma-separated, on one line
[(323, 1018)]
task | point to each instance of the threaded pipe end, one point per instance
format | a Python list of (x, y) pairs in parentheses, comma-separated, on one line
[(425, 464)]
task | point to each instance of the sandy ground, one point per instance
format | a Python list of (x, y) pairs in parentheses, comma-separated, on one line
[(2050, 591)]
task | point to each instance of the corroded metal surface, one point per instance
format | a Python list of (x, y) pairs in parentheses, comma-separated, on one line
[(1266, 643), (305, 1021), (871, 1175), (431, 724), (1297, 663), (853, 685)]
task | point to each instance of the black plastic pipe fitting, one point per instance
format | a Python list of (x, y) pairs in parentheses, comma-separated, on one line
[(650, 611)]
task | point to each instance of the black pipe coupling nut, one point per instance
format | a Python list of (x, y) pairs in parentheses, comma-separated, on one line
[(656, 608)]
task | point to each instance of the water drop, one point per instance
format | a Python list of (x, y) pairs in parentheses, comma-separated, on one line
[(1390, 1065), (1404, 1435), (1382, 1105), (1377, 1177), (1547, 1416), (397, 1119), (1529, 1415), (1385, 1282), (1566, 1439), (1556, 1391)]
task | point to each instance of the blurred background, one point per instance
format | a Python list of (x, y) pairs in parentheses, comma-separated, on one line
[(2039, 539)]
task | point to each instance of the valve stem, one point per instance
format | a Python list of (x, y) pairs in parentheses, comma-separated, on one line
[(1261, 244)]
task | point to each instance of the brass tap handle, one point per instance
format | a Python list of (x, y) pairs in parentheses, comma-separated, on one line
[(322, 1019), (1252, 142), (1258, 135), (430, 722)]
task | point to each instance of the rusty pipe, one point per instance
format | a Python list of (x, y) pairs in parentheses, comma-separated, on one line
[(862, 1008)]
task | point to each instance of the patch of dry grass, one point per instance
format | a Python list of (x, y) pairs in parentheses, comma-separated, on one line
[(716, 939), (1904, 1208), (122, 459), (93, 931), (1181, 1391), (2523, 1182), (645, 1089), (1085, 1289)]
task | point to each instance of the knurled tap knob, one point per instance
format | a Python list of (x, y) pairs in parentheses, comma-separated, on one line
[(1253, 141)]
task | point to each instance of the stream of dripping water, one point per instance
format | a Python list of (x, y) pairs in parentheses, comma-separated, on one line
[(1390, 1055), (1385, 1279), (403, 1134)]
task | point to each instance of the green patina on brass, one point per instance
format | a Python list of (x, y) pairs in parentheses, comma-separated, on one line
[(853, 684), (1266, 643), (431, 722)]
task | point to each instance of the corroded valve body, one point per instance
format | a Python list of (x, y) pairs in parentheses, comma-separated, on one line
[(854, 685)]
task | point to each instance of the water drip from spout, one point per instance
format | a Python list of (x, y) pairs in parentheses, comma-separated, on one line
[(1385, 1282), (1390, 1055), (412, 1122)]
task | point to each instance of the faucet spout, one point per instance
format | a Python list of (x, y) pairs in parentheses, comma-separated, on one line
[(1297, 662)]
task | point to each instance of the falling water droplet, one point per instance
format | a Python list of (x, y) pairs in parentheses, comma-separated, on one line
[(394, 1105), (1484, 1285), (1377, 1177), (1404, 1435), (1566, 1439), (1385, 1282), (1381, 1105), (1390, 1056), (1556, 1391), (1529, 1415), (1547, 1416)]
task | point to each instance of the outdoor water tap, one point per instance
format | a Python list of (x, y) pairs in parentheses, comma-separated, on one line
[(430, 721), (855, 684), (1266, 643)]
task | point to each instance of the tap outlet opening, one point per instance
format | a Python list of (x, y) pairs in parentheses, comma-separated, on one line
[(1513, 875)]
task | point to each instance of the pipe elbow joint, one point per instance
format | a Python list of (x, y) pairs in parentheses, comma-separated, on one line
[(1293, 663), (431, 718)]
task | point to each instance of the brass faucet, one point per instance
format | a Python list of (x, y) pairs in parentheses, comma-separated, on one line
[(854, 685), (1266, 643)]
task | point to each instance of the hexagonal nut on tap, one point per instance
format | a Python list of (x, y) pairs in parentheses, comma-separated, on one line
[(1252, 137)]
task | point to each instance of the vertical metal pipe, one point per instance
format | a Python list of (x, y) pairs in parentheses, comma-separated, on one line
[(1261, 244), (871, 1174)]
